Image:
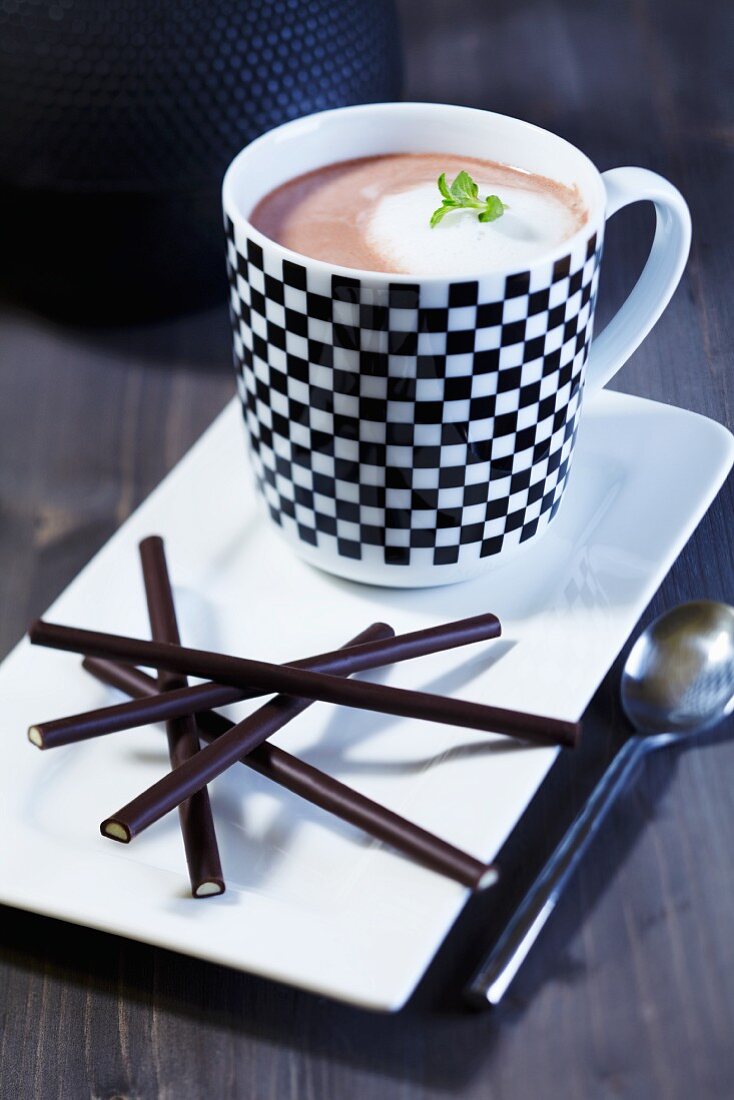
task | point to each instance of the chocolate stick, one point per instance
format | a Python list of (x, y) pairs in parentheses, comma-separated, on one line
[(79, 727), (241, 672), (127, 716), (195, 814), (322, 790)]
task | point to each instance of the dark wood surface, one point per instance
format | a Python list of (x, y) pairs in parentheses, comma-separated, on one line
[(630, 991)]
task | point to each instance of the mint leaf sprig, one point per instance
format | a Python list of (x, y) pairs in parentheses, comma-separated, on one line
[(463, 194)]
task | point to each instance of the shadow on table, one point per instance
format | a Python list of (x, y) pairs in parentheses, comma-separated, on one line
[(200, 340), (435, 1038)]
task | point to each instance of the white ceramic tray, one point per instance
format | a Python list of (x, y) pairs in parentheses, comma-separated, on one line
[(311, 901)]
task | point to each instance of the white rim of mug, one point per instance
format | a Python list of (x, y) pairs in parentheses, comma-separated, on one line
[(594, 222)]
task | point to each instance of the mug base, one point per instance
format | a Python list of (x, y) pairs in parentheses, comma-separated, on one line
[(410, 576)]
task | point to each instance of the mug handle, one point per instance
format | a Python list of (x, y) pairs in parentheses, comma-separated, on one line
[(660, 275)]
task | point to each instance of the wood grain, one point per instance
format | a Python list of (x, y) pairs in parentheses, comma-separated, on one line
[(630, 992)]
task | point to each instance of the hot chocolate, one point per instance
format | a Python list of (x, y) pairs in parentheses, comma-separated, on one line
[(374, 213)]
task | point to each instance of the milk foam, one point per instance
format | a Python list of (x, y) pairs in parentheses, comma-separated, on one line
[(397, 229)]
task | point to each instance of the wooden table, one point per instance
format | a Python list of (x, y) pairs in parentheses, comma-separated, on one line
[(630, 992)]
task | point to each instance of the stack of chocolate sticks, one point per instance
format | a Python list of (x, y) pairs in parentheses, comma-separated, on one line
[(189, 718)]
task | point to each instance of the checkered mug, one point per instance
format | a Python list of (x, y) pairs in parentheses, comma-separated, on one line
[(414, 431)]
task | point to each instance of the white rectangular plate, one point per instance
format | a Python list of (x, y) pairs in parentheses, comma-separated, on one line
[(311, 901)]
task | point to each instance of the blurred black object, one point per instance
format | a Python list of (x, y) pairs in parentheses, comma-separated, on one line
[(117, 121)]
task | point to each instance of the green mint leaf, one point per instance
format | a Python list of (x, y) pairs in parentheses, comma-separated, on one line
[(463, 194), (493, 208), (464, 189), (442, 211)]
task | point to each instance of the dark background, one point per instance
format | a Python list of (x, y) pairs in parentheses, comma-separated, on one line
[(630, 991)]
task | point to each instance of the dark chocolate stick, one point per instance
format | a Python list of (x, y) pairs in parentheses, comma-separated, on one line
[(241, 672), (195, 813), (79, 727), (321, 790)]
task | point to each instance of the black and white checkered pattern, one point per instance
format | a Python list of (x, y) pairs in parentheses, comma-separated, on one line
[(410, 423)]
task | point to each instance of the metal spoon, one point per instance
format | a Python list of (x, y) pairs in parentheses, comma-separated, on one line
[(677, 681)]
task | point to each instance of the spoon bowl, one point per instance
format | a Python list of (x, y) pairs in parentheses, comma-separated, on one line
[(679, 675)]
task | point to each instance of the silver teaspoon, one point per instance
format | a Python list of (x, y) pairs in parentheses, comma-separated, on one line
[(677, 681)]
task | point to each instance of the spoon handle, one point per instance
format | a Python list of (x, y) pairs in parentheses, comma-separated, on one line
[(503, 961)]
